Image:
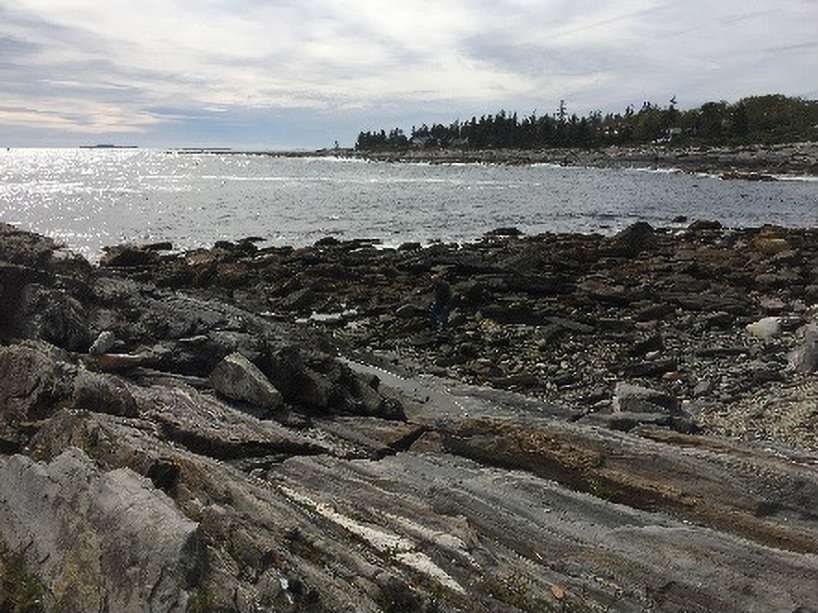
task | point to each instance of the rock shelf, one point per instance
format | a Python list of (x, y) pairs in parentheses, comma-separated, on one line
[(621, 423), (752, 162)]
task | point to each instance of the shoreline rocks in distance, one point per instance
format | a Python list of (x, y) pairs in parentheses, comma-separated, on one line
[(750, 163)]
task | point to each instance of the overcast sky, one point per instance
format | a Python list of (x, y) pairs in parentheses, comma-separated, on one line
[(303, 73)]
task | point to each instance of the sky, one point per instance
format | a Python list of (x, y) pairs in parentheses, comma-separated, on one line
[(302, 74)]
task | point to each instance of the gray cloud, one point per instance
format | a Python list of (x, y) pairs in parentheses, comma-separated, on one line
[(233, 70), (11, 47)]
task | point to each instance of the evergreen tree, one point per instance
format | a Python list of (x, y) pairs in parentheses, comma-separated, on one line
[(764, 119)]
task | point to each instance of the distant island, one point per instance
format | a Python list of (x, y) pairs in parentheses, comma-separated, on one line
[(108, 146)]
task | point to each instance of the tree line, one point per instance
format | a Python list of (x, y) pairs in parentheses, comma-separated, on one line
[(767, 119)]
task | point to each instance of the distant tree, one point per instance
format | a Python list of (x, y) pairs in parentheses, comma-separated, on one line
[(741, 120), (562, 112), (712, 119), (766, 119)]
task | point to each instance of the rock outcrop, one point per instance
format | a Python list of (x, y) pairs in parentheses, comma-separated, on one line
[(745, 163), (206, 454), (714, 318), (101, 539)]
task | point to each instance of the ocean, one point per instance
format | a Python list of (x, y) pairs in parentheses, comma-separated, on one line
[(91, 198)]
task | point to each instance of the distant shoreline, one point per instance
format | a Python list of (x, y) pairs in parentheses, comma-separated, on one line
[(755, 162), (751, 162)]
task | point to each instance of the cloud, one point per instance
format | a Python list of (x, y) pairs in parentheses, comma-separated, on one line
[(158, 68)]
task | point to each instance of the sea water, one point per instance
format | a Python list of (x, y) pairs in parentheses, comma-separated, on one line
[(90, 198)]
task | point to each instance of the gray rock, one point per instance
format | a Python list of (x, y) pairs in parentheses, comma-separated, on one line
[(765, 328), (98, 540), (704, 225), (632, 240), (406, 311), (654, 312), (53, 316), (34, 378), (128, 255), (805, 357), (719, 320), (238, 378), (602, 291), (704, 387), (691, 511), (636, 399), (626, 422), (651, 368), (763, 371), (210, 427), (503, 499), (13, 278), (41, 253), (104, 343), (104, 394)]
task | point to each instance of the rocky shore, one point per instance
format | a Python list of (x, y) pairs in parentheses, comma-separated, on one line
[(623, 423), (753, 162)]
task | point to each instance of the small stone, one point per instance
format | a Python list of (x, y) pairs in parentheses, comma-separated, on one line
[(772, 305), (406, 311), (327, 241), (771, 246), (765, 328), (703, 388), (632, 241), (104, 343), (761, 371), (637, 399), (124, 256), (791, 323), (720, 320)]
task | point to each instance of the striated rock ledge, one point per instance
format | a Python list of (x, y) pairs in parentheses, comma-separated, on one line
[(172, 439)]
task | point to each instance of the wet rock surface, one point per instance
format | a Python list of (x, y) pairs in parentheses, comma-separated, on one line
[(720, 321), (246, 429)]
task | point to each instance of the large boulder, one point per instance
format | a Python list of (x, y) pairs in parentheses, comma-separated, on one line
[(13, 278), (35, 378), (238, 378), (52, 315), (98, 540), (631, 241), (128, 256), (40, 252)]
